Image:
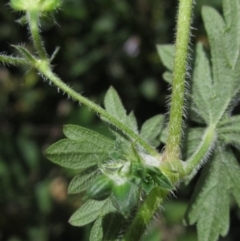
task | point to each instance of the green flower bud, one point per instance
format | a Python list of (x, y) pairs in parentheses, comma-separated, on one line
[(124, 197), (35, 5), (99, 188)]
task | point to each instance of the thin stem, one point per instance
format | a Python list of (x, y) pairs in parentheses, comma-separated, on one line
[(202, 152), (13, 60), (43, 66), (145, 214), (47, 72), (33, 21), (178, 84)]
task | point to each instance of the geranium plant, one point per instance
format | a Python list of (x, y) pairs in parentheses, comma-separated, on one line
[(126, 179)]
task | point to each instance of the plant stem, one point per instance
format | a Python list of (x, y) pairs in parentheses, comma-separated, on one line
[(202, 152), (47, 72), (145, 214), (33, 21), (44, 68), (13, 60), (178, 84)]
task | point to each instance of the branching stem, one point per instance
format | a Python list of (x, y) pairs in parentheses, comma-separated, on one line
[(145, 214), (45, 70), (200, 155), (33, 21)]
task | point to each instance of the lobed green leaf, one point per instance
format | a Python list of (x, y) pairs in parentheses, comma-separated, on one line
[(81, 134), (231, 11), (223, 74), (202, 94), (230, 125), (230, 138), (209, 205), (76, 155)]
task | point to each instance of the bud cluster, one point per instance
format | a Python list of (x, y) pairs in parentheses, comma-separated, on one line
[(35, 5)]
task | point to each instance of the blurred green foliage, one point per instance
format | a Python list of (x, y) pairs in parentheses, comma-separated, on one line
[(103, 43)]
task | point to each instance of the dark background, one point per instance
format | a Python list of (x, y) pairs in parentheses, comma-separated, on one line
[(103, 43)]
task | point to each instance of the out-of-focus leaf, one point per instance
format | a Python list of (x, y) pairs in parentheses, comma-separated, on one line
[(152, 128)]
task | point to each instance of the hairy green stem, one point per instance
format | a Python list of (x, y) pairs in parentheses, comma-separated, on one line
[(44, 68), (145, 214), (13, 60), (46, 71), (204, 148), (33, 21), (178, 83)]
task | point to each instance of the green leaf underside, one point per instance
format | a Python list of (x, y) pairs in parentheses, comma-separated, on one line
[(80, 182), (223, 71), (230, 138), (77, 155), (80, 134), (209, 206), (231, 10), (90, 211), (202, 85), (230, 125), (152, 128), (233, 120)]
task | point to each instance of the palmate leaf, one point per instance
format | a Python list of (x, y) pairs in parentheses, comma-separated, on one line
[(230, 125), (83, 149), (76, 155), (151, 129), (230, 138), (229, 131), (213, 89), (224, 71), (232, 32), (209, 206), (202, 94)]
